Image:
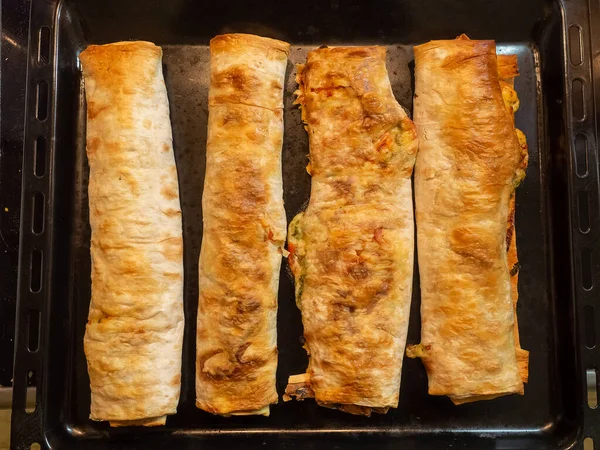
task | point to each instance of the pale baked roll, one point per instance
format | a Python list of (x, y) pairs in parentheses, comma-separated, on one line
[(134, 334), (244, 227), (351, 251), (470, 160)]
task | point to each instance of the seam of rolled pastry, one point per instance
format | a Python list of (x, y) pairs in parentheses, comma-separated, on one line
[(471, 158), (244, 227), (134, 334), (351, 251)]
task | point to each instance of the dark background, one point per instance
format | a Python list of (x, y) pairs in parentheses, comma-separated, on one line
[(13, 66)]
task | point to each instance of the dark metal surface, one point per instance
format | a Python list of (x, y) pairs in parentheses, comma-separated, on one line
[(551, 414), (13, 70)]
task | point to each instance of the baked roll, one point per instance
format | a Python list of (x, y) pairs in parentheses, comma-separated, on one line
[(351, 251), (244, 227), (134, 334), (470, 160)]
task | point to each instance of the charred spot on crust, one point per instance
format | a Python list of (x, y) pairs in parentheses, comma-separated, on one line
[(510, 227), (236, 77), (515, 269), (233, 117), (342, 307), (358, 271), (240, 352)]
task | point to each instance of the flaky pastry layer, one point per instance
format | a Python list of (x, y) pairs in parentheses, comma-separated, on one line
[(244, 227), (470, 160), (133, 338), (352, 249)]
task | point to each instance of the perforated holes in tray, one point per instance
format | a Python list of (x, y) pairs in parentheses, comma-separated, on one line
[(33, 325), (581, 130), (39, 167), (35, 278), (575, 45), (590, 328), (581, 155), (38, 213), (578, 92), (43, 56), (591, 380), (31, 381), (587, 281), (36, 207), (588, 443), (42, 100), (583, 211)]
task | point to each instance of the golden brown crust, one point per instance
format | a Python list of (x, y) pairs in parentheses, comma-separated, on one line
[(468, 164), (508, 67), (134, 333), (239, 43), (245, 69), (244, 227), (352, 250)]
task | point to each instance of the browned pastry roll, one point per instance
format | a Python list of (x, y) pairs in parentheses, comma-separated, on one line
[(470, 160), (134, 334), (244, 227), (352, 249)]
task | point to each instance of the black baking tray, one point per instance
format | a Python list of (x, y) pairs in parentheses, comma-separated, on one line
[(13, 58), (558, 221)]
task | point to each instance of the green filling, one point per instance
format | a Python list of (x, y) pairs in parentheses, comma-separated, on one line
[(518, 178), (297, 241), (300, 288)]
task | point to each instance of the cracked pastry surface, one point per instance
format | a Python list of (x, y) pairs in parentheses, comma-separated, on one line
[(244, 227), (351, 251), (470, 160)]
